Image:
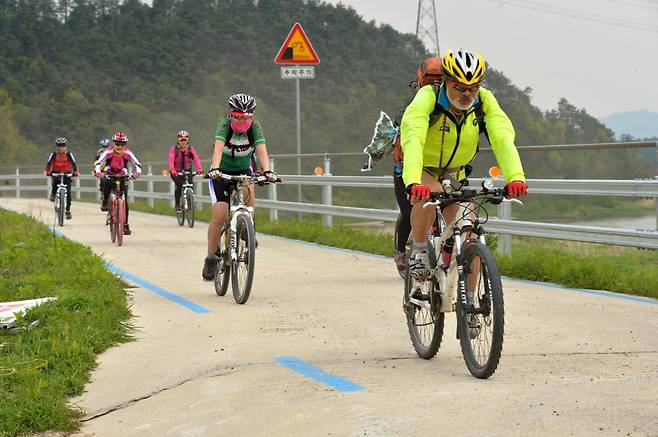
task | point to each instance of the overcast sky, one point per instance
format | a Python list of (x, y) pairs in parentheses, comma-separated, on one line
[(566, 49)]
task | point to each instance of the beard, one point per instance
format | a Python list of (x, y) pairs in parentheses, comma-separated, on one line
[(461, 104)]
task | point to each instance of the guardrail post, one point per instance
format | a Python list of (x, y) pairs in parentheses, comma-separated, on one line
[(172, 190), (131, 190), (18, 183), (656, 199), (198, 191), (271, 189), (505, 240), (77, 188), (149, 185), (49, 185), (327, 220)]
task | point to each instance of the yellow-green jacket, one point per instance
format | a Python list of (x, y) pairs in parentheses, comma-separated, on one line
[(434, 146)]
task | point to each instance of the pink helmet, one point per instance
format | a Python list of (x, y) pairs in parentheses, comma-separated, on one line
[(120, 137)]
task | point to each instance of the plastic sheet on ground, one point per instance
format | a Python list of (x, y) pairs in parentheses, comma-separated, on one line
[(9, 310)]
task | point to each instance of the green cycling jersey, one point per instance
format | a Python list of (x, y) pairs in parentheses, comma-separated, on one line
[(237, 149)]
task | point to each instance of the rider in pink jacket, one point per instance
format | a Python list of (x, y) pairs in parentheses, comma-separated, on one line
[(181, 157)]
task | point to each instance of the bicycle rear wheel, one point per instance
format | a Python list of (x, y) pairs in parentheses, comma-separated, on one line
[(190, 209), (480, 323), (61, 206), (242, 269), (421, 304), (120, 219), (223, 272)]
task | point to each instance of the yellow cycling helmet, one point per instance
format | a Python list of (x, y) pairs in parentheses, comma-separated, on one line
[(464, 66)]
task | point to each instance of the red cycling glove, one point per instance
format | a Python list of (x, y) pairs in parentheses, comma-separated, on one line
[(516, 189), (419, 190)]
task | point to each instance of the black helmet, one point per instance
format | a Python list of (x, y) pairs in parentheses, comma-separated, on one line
[(61, 141)]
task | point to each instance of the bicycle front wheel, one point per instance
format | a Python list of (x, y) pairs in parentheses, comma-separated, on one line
[(112, 223), (480, 323), (190, 209), (223, 272), (422, 304), (119, 220), (242, 269), (180, 216), (61, 200)]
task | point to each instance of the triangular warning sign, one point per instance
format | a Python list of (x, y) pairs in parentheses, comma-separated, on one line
[(297, 49)]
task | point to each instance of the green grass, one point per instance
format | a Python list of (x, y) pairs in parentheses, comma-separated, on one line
[(584, 265), (40, 368), (572, 264)]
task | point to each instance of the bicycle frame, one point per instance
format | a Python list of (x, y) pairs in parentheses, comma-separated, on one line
[(187, 187), (61, 187), (466, 222), (237, 207)]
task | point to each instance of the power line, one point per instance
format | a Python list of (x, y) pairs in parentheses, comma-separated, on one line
[(574, 14), (647, 5)]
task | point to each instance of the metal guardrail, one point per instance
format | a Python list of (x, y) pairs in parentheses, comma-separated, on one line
[(501, 225)]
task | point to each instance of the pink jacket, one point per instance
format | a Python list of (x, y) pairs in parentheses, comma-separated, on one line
[(179, 161)]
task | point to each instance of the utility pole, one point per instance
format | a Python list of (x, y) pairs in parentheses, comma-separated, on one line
[(427, 29)]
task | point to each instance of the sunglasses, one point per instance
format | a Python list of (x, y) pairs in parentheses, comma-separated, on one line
[(118, 144), (463, 88), (182, 140)]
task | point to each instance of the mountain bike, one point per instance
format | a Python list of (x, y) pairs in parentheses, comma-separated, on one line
[(116, 213), (237, 241), (61, 197), (187, 200), (470, 285)]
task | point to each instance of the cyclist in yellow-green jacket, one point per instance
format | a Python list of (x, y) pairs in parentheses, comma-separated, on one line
[(440, 132)]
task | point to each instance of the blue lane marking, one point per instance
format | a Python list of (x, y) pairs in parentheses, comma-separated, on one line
[(157, 290), (306, 369), (640, 299)]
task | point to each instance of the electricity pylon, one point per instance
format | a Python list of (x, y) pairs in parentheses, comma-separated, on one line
[(426, 27)]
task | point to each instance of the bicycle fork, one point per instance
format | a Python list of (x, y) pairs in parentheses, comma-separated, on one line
[(233, 227)]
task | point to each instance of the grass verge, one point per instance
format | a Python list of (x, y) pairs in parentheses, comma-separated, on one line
[(572, 264), (40, 368)]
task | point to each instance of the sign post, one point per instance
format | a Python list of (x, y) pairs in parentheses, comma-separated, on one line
[(297, 50)]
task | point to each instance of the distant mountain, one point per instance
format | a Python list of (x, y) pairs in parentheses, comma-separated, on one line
[(639, 124)]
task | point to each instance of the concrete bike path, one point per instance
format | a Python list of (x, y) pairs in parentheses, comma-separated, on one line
[(573, 363)]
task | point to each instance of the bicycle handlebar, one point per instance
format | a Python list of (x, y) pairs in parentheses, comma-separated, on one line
[(108, 176), (62, 174), (259, 179), (494, 196)]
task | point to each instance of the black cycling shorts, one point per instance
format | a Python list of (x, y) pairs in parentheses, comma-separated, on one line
[(221, 189)]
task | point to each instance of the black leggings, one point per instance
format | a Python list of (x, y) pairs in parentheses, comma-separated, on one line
[(109, 187), (179, 180), (403, 225)]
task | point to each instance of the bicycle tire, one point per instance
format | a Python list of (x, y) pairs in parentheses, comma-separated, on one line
[(481, 346), (180, 216), (121, 220), (61, 207), (223, 272), (425, 325), (242, 269), (110, 218), (190, 208)]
